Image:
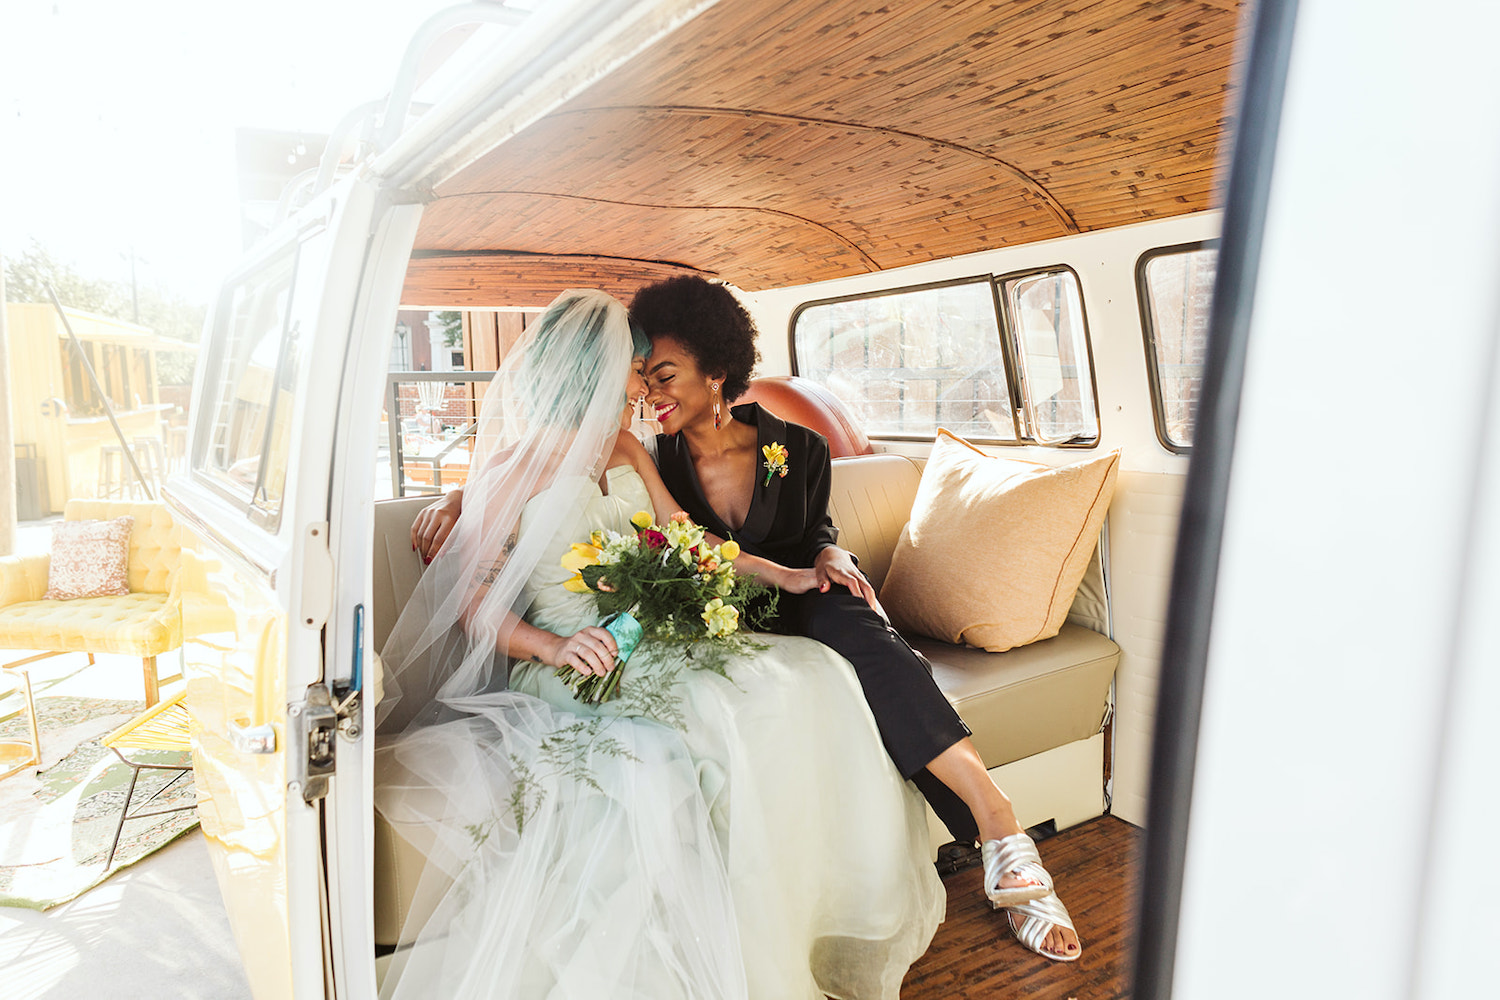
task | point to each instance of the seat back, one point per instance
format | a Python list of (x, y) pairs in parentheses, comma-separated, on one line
[(155, 542), (397, 566), (803, 401)]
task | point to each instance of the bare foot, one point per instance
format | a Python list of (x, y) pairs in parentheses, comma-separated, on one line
[(1059, 940)]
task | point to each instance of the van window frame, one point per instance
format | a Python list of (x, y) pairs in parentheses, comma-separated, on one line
[(973, 279), (1009, 349), (1148, 337), (266, 518), (1008, 328)]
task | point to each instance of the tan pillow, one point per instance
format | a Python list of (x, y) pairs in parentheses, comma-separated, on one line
[(89, 559), (995, 547)]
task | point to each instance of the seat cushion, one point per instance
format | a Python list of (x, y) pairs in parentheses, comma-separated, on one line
[(996, 547), (132, 624), (1029, 699)]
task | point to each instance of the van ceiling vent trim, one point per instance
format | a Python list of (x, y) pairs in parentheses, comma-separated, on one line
[(1036, 187), (506, 280), (874, 265)]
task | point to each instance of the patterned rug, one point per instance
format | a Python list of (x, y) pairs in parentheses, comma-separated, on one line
[(56, 826)]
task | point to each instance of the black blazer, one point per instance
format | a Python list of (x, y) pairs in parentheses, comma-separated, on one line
[(788, 520)]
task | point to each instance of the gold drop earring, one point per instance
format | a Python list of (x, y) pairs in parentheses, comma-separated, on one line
[(717, 404)]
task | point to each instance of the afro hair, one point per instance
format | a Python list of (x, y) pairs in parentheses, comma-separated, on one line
[(707, 319)]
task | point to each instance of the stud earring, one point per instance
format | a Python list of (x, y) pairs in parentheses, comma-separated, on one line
[(717, 404)]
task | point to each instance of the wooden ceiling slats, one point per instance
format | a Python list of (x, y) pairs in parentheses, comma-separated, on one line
[(489, 281), (785, 142)]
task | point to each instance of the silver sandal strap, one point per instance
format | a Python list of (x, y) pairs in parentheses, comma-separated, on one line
[(1015, 854), (1041, 915)]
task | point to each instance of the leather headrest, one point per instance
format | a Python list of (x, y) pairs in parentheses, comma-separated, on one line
[(802, 401)]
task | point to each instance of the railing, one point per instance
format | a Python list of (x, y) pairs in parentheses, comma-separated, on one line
[(439, 462)]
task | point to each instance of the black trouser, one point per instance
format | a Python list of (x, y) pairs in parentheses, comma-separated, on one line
[(916, 721)]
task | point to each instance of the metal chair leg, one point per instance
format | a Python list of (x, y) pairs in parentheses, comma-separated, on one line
[(135, 774)]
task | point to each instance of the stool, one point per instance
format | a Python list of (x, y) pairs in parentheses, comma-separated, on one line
[(152, 458), (112, 467), (162, 727), (15, 755)]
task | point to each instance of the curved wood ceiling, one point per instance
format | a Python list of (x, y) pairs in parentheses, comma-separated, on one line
[(773, 143)]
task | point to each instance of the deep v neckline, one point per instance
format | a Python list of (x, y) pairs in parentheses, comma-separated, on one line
[(762, 495)]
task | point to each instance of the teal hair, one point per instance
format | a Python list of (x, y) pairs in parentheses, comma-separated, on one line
[(640, 344)]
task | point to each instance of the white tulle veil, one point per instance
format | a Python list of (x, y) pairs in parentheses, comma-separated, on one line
[(601, 879), (549, 416)]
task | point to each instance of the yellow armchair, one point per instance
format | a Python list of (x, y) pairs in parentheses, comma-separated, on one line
[(145, 622)]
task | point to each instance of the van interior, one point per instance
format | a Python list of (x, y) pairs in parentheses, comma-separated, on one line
[(998, 222), (1031, 228)]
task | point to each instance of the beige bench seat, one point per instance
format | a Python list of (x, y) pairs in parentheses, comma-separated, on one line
[(1029, 699)]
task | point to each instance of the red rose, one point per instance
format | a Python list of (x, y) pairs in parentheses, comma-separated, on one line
[(654, 539)]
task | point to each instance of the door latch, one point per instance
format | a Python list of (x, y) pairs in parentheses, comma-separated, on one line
[(312, 728)]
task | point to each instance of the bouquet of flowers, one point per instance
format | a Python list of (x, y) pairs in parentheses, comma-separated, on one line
[(669, 585)]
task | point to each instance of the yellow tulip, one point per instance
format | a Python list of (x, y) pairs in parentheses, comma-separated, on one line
[(641, 519), (576, 584), (729, 550)]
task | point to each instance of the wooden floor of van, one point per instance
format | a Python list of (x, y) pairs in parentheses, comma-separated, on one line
[(974, 955)]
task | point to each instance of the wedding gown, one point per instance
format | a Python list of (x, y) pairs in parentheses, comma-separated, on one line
[(825, 846)]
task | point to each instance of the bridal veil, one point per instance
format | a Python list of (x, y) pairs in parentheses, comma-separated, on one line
[(566, 856)]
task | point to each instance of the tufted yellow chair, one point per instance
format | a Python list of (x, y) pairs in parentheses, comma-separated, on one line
[(145, 622)]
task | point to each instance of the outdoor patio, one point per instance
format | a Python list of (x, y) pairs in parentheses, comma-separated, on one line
[(155, 928)]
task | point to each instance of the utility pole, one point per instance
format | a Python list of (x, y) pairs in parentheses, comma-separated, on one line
[(7, 436)]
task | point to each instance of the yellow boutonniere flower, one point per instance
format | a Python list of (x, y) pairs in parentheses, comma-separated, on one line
[(776, 455)]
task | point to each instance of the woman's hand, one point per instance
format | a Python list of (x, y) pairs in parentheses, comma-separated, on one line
[(834, 565), (798, 581), (435, 523), (590, 650)]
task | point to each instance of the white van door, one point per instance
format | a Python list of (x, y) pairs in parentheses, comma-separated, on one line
[(269, 693)]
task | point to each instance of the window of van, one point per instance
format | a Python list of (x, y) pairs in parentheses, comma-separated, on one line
[(910, 361), (1175, 285), (1044, 311), (1002, 361), (250, 385)]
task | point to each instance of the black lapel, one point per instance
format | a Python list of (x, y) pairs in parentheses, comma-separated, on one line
[(765, 501)]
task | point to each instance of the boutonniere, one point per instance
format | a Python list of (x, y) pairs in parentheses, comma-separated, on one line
[(775, 460)]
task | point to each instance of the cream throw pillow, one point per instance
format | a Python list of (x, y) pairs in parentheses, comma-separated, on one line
[(995, 547), (89, 559)]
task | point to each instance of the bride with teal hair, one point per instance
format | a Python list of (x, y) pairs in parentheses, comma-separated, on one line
[(699, 835)]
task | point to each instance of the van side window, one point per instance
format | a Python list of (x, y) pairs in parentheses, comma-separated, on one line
[(997, 360), (249, 389), (1175, 285), (910, 361), (1044, 311)]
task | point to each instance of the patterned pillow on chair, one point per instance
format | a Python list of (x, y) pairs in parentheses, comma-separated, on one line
[(89, 559)]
